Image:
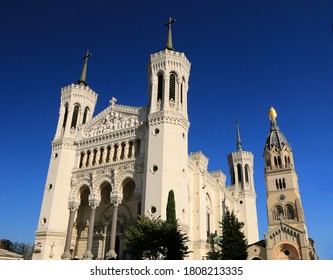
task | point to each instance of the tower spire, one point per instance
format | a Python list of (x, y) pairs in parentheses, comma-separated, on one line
[(169, 39), (239, 142), (82, 81)]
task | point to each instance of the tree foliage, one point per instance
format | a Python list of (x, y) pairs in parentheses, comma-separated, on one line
[(232, 244), (171, 208), (20, 248)]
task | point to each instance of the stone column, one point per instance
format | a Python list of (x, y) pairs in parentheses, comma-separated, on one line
[(112, 253), (119, 151), (88, 254), (126, 150), (73, 206), (103, 155)]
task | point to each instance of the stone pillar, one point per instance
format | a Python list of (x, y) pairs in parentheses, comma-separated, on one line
[(119, 151), (103, 155), (73, 206), (126, 150), (88, 254), (112, 253)]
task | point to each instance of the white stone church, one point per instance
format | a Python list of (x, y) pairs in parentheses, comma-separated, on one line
[(107, 169)]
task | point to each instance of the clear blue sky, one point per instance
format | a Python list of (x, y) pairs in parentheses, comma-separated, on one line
[(245, 55)]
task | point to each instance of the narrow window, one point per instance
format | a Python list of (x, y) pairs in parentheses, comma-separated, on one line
[(246, 173), (208, 221), (279, 160), (232, 176), (181, 92), (284, 183), (277, 184), (115, 153), (160, 88), (275, 161), (81, 159), (239, 171), (172, 87), (65, 116), (75, 116), (86, 111), (278, 212), (290, 212)]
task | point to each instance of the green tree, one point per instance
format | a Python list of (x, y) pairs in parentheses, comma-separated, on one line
[(233, 242), (175, 240), (145, 239), (171, 208), (214, 252), (155, 239)]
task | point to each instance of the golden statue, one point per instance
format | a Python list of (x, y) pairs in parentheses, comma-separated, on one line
[(272, 114)]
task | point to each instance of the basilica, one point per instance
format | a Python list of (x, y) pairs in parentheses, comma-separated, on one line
[(107, 169)]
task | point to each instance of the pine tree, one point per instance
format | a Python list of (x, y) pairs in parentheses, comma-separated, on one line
[(233, 242), (214, 252)]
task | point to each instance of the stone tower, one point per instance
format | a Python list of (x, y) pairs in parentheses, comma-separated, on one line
[(167, 132), (77, 106), (287, 236), (242, 174)]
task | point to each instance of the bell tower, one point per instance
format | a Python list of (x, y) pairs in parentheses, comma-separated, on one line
[(167, 133), (242, 178), (287, 236), (77, 105)]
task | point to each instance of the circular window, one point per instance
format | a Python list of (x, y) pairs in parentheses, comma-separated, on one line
[(241, 202), (153, 209), (43, 221), (50, 187), (157, 131), (282, 197), (55, 155), (155, 168)]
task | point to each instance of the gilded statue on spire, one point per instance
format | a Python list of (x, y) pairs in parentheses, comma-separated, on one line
[(272, 114)]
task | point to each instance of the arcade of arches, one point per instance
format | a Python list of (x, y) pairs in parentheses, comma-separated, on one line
[(111, 216)]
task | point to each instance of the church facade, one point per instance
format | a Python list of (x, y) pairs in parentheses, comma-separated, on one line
[(107, 169)]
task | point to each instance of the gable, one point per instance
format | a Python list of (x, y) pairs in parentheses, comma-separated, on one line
[(114, 118)]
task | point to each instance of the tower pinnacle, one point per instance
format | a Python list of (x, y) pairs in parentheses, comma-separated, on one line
[(82, 81), (239, 142), (169, 39)]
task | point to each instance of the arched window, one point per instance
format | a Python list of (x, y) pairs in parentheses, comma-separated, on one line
[(240, 172), (160, 88), (232, 172), (277, 184), (94, 157), (172, 87), (75, 116), (290, 212), (88, 158), (246, 173), (181, 92), (122, 153), (284, 183), (278, 212), (85, 114), (275, 161), (116, 151), (65, 116), (279, 160)]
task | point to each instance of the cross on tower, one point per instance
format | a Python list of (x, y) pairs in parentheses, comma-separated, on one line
[(169, 40)]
